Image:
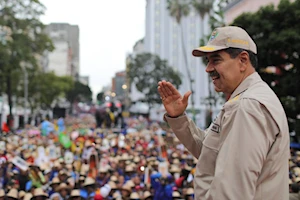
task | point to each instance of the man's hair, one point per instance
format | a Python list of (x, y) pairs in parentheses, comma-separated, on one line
[(234, 52)]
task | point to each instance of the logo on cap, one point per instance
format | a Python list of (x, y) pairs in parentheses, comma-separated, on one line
[(214, 34)]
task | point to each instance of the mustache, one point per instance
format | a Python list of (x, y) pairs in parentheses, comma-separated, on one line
[(214, 74)]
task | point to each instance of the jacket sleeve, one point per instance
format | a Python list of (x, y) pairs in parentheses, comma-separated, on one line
[(249, 134), (187, 132)]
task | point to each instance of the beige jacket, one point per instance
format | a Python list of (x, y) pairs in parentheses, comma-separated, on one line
[(244, 153)]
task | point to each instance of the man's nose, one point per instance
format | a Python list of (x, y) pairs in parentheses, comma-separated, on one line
[(209, 68)]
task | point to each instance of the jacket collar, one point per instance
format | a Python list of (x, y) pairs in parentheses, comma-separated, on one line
[(250, 80)]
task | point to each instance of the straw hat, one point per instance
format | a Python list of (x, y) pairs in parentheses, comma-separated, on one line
[(134, 196), (22, 194), (297, 170), (13, 193), (55, 180), (88, 181), (113, 178), (129, 168), (103, 170), (63, 186), (75, 193), (176, 161), (174, 169), (112, 185), (147, 194), (130, 183), (27, 196), (116, 195), (297, 179), (176, 194), (190, 191), (2, 193), (126, 187), (39, 192)]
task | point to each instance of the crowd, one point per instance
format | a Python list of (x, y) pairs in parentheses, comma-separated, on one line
[(72, 159)]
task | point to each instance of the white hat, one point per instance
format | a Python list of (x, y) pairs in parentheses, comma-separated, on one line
[(176, 194), (88, 181), (190, 191), (134, 196), (39, 192), (27, 196), (75, 193), (147, 194), (2, 193), (13, 193)]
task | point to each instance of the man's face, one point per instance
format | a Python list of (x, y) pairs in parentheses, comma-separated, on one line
[(224, 71)]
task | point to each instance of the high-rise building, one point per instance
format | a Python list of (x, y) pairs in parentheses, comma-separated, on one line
[(64, 60), (237, 7), (163, 37), (118, 83)]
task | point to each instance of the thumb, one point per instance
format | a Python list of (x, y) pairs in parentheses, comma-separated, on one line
[(186, 97)]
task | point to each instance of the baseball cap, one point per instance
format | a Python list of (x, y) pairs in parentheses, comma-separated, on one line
[(225, 37)]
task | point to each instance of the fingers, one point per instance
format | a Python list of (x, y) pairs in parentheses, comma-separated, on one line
[(167, 89), (186, 97)]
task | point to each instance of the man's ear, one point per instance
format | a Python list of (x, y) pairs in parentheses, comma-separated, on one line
[(244, 60)]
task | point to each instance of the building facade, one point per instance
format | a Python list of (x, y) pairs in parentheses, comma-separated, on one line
[(163, 37), (237, 7), (65, 58)]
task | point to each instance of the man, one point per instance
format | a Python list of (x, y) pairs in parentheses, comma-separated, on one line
[(244, 153)]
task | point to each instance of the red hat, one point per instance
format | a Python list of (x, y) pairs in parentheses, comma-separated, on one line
[(98, 197)]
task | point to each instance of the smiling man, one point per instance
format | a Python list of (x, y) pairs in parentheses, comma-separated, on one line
[(244, 153)]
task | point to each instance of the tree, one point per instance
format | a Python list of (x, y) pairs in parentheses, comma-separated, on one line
[(179, 9), (100, 97), (79, 92), (146, 70), (51, 87), (276, 33), (202, 7), (27, 39)]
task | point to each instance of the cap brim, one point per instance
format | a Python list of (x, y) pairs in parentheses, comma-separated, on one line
[(202, 51)]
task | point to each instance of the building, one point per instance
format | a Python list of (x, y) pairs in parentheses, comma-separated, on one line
[(119, 84), (64, 60), (84, 80), (163, 37), (237, 7)]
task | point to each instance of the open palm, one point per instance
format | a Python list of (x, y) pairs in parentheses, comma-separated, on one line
[(173, 102)]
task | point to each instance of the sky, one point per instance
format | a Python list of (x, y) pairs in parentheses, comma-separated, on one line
[(108, 32)]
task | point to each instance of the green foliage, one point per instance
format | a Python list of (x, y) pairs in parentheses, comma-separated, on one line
[(178, 9), (202, 6), (79, 92), (276, 33), (24, 41), (146, 70), (44, 88)]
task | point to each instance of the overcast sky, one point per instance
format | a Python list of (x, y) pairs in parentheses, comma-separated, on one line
[(108, 31)]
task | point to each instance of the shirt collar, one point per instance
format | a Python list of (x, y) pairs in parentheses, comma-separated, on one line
[(250, 80)]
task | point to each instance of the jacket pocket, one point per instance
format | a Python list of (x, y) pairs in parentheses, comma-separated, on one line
[(209, 153)]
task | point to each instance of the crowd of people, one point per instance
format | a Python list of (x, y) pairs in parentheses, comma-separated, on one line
[(72, 159)]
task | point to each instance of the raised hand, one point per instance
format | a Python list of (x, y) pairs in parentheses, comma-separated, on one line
[(173, 102)]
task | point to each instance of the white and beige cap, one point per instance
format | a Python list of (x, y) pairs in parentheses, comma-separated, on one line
[(226, 37)]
